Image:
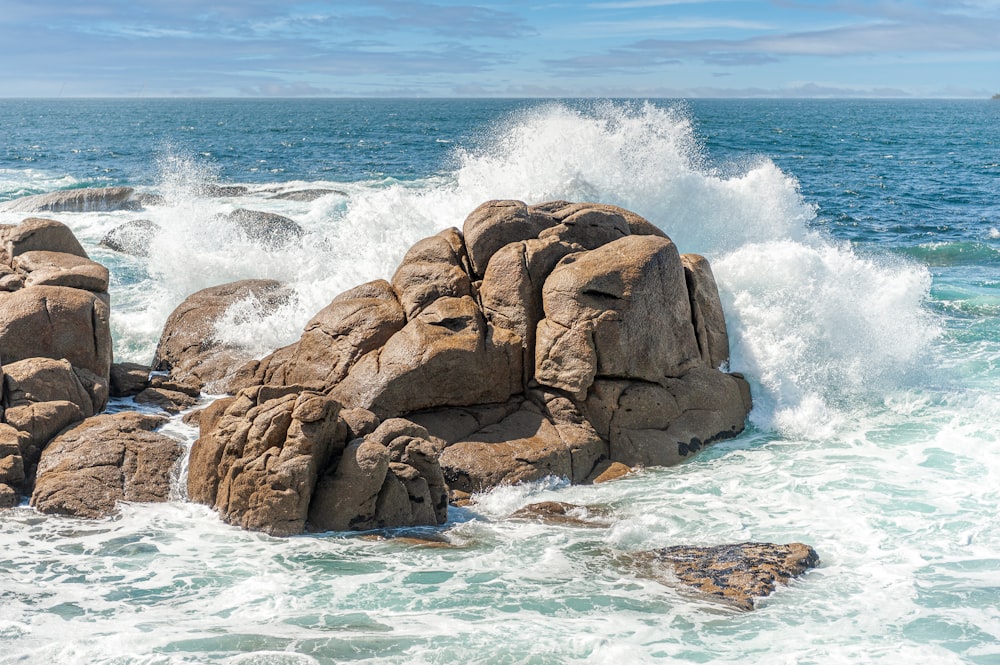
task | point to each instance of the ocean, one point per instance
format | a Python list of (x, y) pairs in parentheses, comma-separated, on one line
[(857, 249)]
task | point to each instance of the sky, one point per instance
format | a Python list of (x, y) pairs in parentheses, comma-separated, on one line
[(470, 48)]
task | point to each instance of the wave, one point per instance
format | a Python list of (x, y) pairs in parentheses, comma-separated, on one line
[(815, 325), (945, 254)]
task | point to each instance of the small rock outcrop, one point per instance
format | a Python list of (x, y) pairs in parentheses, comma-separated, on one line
[(267, 229), (736, 575), (89, 468)]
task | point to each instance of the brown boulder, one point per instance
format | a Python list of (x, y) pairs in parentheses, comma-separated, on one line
[(12, 472), (495, 224), (128, 379), (389, 479), (259, 465), (188, 347), (354, 323), (446, 356), (88, 469), (706, 310), (57, 322), (43, 268), (433, 268), (37, 234), (600, 307)]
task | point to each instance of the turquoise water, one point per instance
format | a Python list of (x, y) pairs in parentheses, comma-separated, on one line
[(857, 247)]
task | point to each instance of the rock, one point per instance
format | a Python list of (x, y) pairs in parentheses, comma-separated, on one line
[(495, 224), (391, 478), (600, 307), (558, 339), (61, 269), (607, 471), (86, 470), (36, 234), (439, 358), (188, 347), (220, 191), (306, 195), (56, 322), (258, 466), (734, 574), (706, 310), (564, 514), (46, 380), (266, 229), (132, 238), (12, 471), (355, 323), (128, 379), (171, 401), (95, 199)]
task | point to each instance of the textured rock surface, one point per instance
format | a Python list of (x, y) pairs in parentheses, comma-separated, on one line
[(55, 342), (734, 574), (266, 229), (88, 469), (559, 339), (188, 347)]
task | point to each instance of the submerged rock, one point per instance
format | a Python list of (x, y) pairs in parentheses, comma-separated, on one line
[(306, 195), (735, 574)]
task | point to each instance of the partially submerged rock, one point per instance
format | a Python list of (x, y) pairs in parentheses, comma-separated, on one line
[(736, 574), (93, 199), (267, 229), (133, 237), (88, 469)]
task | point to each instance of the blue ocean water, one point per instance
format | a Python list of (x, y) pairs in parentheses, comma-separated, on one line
[(857, 249)]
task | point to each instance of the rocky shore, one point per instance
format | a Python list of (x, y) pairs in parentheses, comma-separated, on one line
[(559, 339)]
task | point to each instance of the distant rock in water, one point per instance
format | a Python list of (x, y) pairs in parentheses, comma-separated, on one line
[(306, 195), (132, 238), (102, 199), (220, 191), (270, 230)]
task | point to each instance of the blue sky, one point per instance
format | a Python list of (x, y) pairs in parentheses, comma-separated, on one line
[(446, 48)]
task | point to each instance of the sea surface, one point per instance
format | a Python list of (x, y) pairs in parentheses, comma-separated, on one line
[(857, 249)]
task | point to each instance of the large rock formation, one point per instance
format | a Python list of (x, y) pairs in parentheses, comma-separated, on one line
[(55, 343), (553, 339)]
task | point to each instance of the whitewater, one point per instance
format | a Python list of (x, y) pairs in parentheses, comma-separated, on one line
[(867, 328)]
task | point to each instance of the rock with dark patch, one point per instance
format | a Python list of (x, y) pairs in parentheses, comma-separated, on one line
[(94, 199), (267, 229), (88, 469), (133, 237), (736, 575), (189, 349)]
